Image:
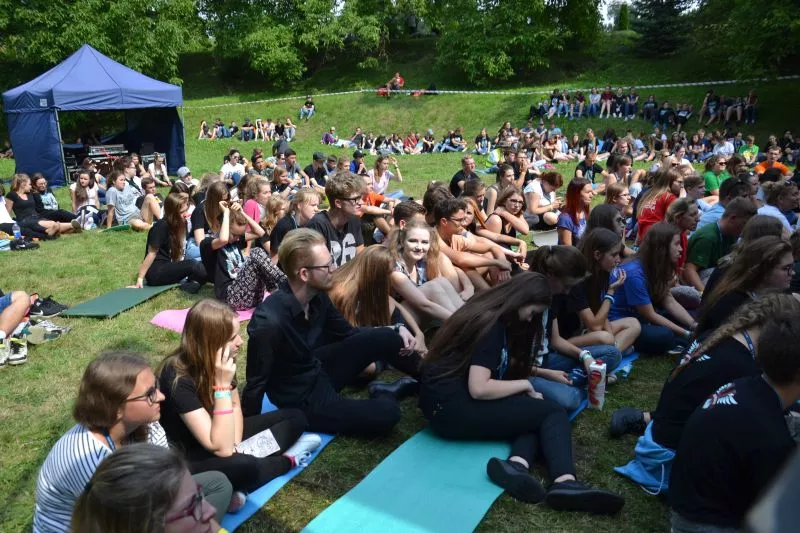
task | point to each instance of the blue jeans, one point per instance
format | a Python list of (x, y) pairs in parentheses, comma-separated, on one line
[(562, 108), (247, 135), (594, 110), (192, 251), (657, 340), (570, 396), (630, 109), (306, 113)]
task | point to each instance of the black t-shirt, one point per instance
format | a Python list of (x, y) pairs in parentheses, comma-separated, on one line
[(589, 173), (341, 244), (158, 239), (22, 208), (358, 139), (718, 314), (140, 200), (731, 449), (567, 307), (280, 146), (222, 265), (319, 174), (488, 354), (199, 218), (282, 227), (727, 361), (179, 399), (455, 190)]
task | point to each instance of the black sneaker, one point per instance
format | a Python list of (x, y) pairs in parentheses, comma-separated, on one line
[(55, 304), (192, 287), (514, 478), (19, 245), (627, 420), (44, 309), (575, 496)]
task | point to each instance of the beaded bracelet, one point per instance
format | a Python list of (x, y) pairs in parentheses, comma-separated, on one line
[(223, 411), (222, 387), (222, 394)]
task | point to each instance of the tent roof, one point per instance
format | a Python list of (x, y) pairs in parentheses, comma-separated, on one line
[(88, 80)]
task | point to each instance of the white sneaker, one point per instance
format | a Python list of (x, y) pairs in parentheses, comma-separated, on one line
[(5, 351), (302, 449), (18, 348)]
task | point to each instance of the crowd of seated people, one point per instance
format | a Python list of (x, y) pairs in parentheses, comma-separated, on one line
[(497, 340), (264, 129)]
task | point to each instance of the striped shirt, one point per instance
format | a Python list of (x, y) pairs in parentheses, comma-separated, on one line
[(66, 471)]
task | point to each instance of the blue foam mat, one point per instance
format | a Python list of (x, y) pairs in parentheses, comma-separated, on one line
[(257, 499)]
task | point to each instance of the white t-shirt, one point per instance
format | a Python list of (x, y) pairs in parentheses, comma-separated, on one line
[(91, 194), (536, 187), (64, 474), (5, 218), (229, 170), (161, 172), (382, 184)]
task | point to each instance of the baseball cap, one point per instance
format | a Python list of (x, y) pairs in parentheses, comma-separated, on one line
[(430, 132), (319, 156), (357, 154), (183, 172)]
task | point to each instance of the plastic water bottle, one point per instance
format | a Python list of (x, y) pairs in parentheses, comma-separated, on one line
[(17, 232)]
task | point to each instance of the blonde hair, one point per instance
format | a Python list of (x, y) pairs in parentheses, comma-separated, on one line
[(17, 180), (295, 249), (397, 237), (275, 205)]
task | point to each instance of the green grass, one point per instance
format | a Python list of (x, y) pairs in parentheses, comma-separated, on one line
[(35, 399)]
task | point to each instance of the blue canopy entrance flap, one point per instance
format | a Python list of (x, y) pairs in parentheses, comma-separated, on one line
[(89, 81)]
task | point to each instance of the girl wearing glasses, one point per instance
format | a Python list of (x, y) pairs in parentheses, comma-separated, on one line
[(164, 262), (508, 217), (618, 195), (766, 265), (118, 405), (144, 488)]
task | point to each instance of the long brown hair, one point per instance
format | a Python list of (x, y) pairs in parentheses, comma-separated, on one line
[(451, 351), (397, 237), (209, 326), (562, 262), (750, 315), (748, 269), (654, 255), (105, 386), (662, 182), (361, 288), (275, 205), (215, 193), (758, 226), (598, 240), (173, 204)]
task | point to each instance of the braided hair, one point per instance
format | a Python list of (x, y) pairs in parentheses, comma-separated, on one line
[(750, 315)]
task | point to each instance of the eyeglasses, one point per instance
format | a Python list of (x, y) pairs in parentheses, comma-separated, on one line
[(151, 396), (355, 199), (789, 269), (619, 220), (512, 201), (194, 509), (330, 266), (458, 220)]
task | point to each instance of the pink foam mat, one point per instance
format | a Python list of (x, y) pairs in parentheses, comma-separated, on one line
[(174, 319)]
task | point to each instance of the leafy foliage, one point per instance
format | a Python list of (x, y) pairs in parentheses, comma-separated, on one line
[(662, 23), (767, 35), (623, 21), (146, 35)]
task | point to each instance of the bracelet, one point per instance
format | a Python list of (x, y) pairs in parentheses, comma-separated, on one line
[(584, 355), (223, 411), (222, 394), (609, 298), (222, 387), (396, 328)]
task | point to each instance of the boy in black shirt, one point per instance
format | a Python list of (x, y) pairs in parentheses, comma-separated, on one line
[(340, 225), (737, 441)]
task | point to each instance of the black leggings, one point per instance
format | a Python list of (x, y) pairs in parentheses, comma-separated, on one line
[(166, 273), (30, 227), (530, 424), (247, 473), (57, 215)]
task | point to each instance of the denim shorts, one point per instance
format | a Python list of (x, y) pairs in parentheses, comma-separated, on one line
[(5, 302)]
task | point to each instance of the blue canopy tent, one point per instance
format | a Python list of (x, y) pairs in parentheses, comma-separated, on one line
[(89, 81)]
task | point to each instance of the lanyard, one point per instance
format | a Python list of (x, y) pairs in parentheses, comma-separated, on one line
[(501, 370), (109, 441), (749, 341)]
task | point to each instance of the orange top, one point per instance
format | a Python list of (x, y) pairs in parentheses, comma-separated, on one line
[(761, 167)]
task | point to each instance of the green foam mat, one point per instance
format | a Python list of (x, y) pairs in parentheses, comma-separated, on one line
[(426, 485), (114, 302), (121, 227)]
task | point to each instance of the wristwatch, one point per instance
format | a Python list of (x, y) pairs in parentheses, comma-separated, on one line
[(396, 328)]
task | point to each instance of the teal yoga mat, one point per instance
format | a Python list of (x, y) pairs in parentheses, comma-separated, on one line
[(114, 302), (426, 485)]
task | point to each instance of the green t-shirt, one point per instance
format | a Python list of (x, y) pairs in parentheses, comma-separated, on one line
[(713, 181), (750, 152), (707, 245)]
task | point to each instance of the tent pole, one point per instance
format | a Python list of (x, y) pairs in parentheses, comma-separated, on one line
[(61, 149), (183, 126)]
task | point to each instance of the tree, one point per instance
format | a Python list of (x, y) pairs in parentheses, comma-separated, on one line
[(145, 35), (662, 23), (767, 35), (624, 17)]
